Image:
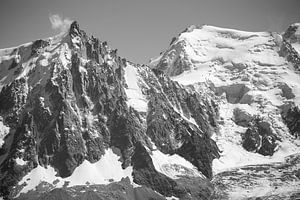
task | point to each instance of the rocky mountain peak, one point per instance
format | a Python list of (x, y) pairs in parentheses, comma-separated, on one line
[(75, 112), (255, 79), (293, 33), (74, 28)]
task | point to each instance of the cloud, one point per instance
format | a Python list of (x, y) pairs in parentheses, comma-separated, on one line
[(59, 23)]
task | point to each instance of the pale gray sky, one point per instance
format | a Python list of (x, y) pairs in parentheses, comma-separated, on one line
[(141, 29)]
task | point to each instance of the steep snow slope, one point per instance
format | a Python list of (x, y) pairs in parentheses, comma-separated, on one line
[(251, 79), (136, 99)]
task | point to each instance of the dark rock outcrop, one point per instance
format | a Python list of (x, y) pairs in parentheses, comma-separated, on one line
[(234, 93), (287, 49), (260, 138), (38, 46), (290, 53), (292, 119), (290, 35)]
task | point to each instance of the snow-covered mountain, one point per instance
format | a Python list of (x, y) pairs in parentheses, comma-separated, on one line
[(79, 119), (255, 77), (215, 116)]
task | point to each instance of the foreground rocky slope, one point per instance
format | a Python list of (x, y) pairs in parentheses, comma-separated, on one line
[(73, 113), (255, 79), (265, 181)]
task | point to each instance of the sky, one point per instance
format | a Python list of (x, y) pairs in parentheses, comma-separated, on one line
[(139, 29)]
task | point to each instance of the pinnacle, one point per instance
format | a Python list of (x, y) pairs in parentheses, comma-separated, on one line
[(74, 28)]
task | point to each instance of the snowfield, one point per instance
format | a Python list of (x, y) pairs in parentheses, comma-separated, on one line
[(246, 71)]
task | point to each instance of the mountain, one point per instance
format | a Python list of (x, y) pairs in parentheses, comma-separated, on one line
[(215, 116), (255, 79), (75, 114)]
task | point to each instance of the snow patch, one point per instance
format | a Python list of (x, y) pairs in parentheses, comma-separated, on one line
[(4, 130), (136, 99), (76, 40), (82, 70), (45, 61), (65, 55), (20, 161), (108, 169), (155, 61), (201, 74), (173, 166), (172, 198)]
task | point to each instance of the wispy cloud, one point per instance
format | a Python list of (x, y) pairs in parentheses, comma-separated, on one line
[(59, 23)]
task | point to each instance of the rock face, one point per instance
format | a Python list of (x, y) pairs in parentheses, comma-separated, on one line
[(69, 99), (292, 119), (292, 33), (290, 47)]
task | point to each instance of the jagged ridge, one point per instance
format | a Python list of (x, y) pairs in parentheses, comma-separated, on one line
[(65, 101)]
